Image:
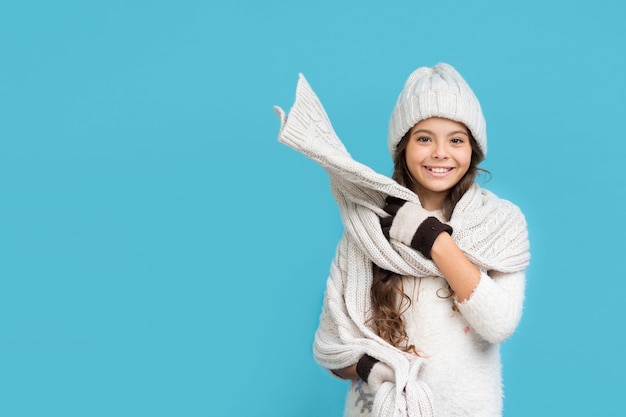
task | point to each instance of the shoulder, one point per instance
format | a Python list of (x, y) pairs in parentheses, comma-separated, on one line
[(498, 203), (483, 209)]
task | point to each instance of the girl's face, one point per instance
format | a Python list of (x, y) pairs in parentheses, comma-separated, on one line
[(438, 154)]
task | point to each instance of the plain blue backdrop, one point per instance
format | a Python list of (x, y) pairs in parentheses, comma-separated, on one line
[(161, 254)]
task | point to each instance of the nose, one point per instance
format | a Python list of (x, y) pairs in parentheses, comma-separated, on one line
[(440, 151)]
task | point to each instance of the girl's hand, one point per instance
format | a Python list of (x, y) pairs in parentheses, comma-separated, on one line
[(374, 372), (411, 224), (380, 374)]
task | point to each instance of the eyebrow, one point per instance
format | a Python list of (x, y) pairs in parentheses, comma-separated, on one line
[(456, 132)]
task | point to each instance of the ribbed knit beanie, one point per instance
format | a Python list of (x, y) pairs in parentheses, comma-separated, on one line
[(436, 92)]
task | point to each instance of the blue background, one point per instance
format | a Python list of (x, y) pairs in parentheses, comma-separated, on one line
[(161, 254)]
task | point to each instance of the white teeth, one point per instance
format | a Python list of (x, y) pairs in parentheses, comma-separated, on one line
[(440, 170)]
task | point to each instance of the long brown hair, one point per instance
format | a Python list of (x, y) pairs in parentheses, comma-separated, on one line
[(389, 301)]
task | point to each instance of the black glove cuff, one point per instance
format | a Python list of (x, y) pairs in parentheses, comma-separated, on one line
[(426, 234), (364, 366)]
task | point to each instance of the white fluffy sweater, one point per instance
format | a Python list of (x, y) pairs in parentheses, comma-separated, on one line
[(462, 360), (458, 372)]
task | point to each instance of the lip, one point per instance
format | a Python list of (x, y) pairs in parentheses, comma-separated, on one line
[(438, 171)]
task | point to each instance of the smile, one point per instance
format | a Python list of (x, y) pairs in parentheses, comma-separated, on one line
[(438, 170)]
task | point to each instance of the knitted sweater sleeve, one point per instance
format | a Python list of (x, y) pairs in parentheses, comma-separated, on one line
[(495, 307)]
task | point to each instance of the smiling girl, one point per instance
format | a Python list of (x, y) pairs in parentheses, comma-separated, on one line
[(429, 276)]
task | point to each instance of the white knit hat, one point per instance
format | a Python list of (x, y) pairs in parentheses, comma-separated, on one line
[(436, 92)]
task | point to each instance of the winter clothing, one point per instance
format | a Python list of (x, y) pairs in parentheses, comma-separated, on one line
[(436, 92), (412, 225), (490, 231)]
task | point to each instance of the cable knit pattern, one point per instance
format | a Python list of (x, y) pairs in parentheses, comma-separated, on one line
[(490, 231)]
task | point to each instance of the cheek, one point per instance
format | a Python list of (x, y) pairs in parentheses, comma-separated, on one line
[(414, 155), (464, 160), (413, 163)]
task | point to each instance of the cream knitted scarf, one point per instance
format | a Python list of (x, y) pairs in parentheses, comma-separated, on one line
[(491, 232)]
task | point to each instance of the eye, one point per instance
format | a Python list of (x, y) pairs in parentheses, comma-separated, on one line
[(423, 139), (456, 141)]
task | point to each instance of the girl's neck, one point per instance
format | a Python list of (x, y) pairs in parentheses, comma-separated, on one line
[(431, 201)]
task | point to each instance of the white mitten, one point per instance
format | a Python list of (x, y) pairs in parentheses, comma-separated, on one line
[(374, 372), (412, 225)]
